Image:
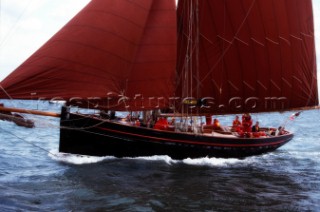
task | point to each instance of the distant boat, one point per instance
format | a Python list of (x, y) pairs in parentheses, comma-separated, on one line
[(15, 118), (183, 64)]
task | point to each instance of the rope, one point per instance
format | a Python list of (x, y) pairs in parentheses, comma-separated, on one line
[(30, 143), (227, 49), (85, 128), (15, 24)]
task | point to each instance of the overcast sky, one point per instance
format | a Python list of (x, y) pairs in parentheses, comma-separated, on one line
[(26, 25)]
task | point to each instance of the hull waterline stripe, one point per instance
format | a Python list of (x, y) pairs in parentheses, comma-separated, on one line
[(196, 143)]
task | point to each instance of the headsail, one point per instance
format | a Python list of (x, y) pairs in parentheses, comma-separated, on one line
[(252, 55), (111, 50)]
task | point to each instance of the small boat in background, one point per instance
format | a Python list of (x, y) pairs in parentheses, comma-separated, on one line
[(16, 118)]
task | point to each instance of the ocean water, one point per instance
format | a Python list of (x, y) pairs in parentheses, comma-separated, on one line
[(34, 176)]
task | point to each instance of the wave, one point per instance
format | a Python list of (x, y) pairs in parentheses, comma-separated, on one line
[(76, 159), (206, 161)]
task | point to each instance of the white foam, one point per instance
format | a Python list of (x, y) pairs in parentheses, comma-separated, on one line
[(163, 158), (206, 161), (77, 159), (220, 162)]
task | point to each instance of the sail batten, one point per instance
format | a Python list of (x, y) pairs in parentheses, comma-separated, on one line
[(251, 54)]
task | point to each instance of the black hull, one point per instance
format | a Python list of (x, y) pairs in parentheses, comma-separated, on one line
[(85, 135)]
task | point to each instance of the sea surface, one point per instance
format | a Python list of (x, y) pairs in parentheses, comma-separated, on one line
[(34, 176)]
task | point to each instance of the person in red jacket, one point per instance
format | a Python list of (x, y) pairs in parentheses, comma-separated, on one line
[(161, 124), (246, 122), (216, 124), (236, 124)]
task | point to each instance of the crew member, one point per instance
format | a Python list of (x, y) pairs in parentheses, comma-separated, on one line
[(256, 127), (161, 124), (236, 124), (246, 122), (216, 124)]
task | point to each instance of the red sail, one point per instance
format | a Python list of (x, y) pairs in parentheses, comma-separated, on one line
[(114, 52), (250, 55)]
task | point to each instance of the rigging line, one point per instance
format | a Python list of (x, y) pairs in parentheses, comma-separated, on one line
[(9, 96), (84, 128), (15, 24), (44, 124), (190, 74), (5, 92), (197, 48), (227, 49), (32, 144)]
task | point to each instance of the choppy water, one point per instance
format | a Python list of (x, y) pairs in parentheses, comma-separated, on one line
[(35, 177)]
